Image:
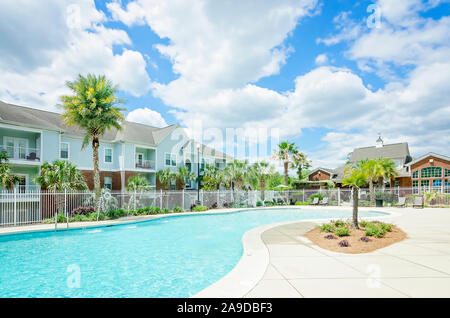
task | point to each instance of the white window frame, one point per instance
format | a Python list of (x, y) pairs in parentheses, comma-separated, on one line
[(104, 182), (104, 155), (140, 154), (15, 141), (171, 157), (68, 150)]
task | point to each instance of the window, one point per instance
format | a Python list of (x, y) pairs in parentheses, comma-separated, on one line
[(108, 183), (437, 183), (22, 182), (415, 174), (431, 172), (447, 186), (447, 172), (108, 155), (425, 183), (415, 185), (170, 159), (64, 150)]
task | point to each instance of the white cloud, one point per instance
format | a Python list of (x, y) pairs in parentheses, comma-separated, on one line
[(321, 59), (73, 41), (147, 116)]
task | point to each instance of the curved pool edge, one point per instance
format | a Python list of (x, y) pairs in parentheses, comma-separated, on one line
[(255, 259)]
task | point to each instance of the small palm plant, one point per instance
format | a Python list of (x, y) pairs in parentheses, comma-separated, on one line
[(137, 183), (262, 172), (7, 178), (212, 178), (165, 177), (60, 175), (183, 175), (92, 108), (356, 178)]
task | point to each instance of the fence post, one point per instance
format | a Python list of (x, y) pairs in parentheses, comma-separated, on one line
[(339, 197), (160, 201), (15, 206), (56, 215), (65, 208), (303, 194), (201, 196)]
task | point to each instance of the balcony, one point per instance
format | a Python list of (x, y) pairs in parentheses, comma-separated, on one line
[(145, 164), (21, 153)]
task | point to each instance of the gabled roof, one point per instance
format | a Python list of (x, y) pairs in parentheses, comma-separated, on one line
[(430, 154), (131, 131), (191, 147), (327, 170), (399, 150)]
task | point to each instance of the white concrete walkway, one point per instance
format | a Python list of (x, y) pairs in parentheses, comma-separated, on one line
[(416, 267)]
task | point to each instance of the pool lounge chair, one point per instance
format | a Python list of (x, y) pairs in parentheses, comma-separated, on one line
[(418, 202), (401, 202), (315, 201), (324, 201)]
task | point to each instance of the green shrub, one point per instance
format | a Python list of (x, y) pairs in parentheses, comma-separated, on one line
[(373, 229), (268, 203), (317, 195), (177, 209), (342, 231), (329, 228), (386, 227), (156, 210), (259, 203), (199, 208), (302, 203), (165, 210), (339, 223), (61, 218)]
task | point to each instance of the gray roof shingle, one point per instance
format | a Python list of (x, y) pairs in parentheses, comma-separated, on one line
[(399, 150), (131, 132)]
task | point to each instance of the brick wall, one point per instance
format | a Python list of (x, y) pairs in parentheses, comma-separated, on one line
[(319, 175)]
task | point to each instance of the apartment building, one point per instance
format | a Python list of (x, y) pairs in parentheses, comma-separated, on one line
[(31, 137)]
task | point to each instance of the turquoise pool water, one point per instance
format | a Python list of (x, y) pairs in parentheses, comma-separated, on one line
[(168, 257)]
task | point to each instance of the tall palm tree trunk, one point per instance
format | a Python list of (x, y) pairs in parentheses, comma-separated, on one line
[(286, 173), (372, 193), (97, 188), (263, 188), (355, 208)]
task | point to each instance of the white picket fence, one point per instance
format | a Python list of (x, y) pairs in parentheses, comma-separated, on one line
[(34, 205)]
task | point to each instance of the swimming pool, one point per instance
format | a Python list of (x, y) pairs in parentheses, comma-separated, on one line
[(173, 256)]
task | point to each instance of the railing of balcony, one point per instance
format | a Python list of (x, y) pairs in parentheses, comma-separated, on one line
[(21, 153), (145, 164)]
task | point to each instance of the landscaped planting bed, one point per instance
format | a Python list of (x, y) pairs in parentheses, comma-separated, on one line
[(340, 236)]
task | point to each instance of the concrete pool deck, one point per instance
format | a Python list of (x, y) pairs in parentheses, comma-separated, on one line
[(295, 267)]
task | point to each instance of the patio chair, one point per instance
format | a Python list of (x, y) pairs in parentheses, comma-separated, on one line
[(324, 201), (418, 202), (401, 202), (315, 201)]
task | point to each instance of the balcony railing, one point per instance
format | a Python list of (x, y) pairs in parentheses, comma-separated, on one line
[(21, 153), (145, 164)]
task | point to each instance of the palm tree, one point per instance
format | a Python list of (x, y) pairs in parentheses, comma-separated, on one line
[(300, 162), (60, 175), (261, 171), (92, 109), (388, 169), (212, 178), (165, 177), (236, 173), (7, 178), (137, 183), (284, 153), (373, 171), (356, 178), (183, 174)]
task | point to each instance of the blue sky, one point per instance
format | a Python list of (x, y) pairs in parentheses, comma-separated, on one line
[(311, 68)]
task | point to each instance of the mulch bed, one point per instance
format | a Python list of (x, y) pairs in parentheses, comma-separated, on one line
[(356, 245)]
